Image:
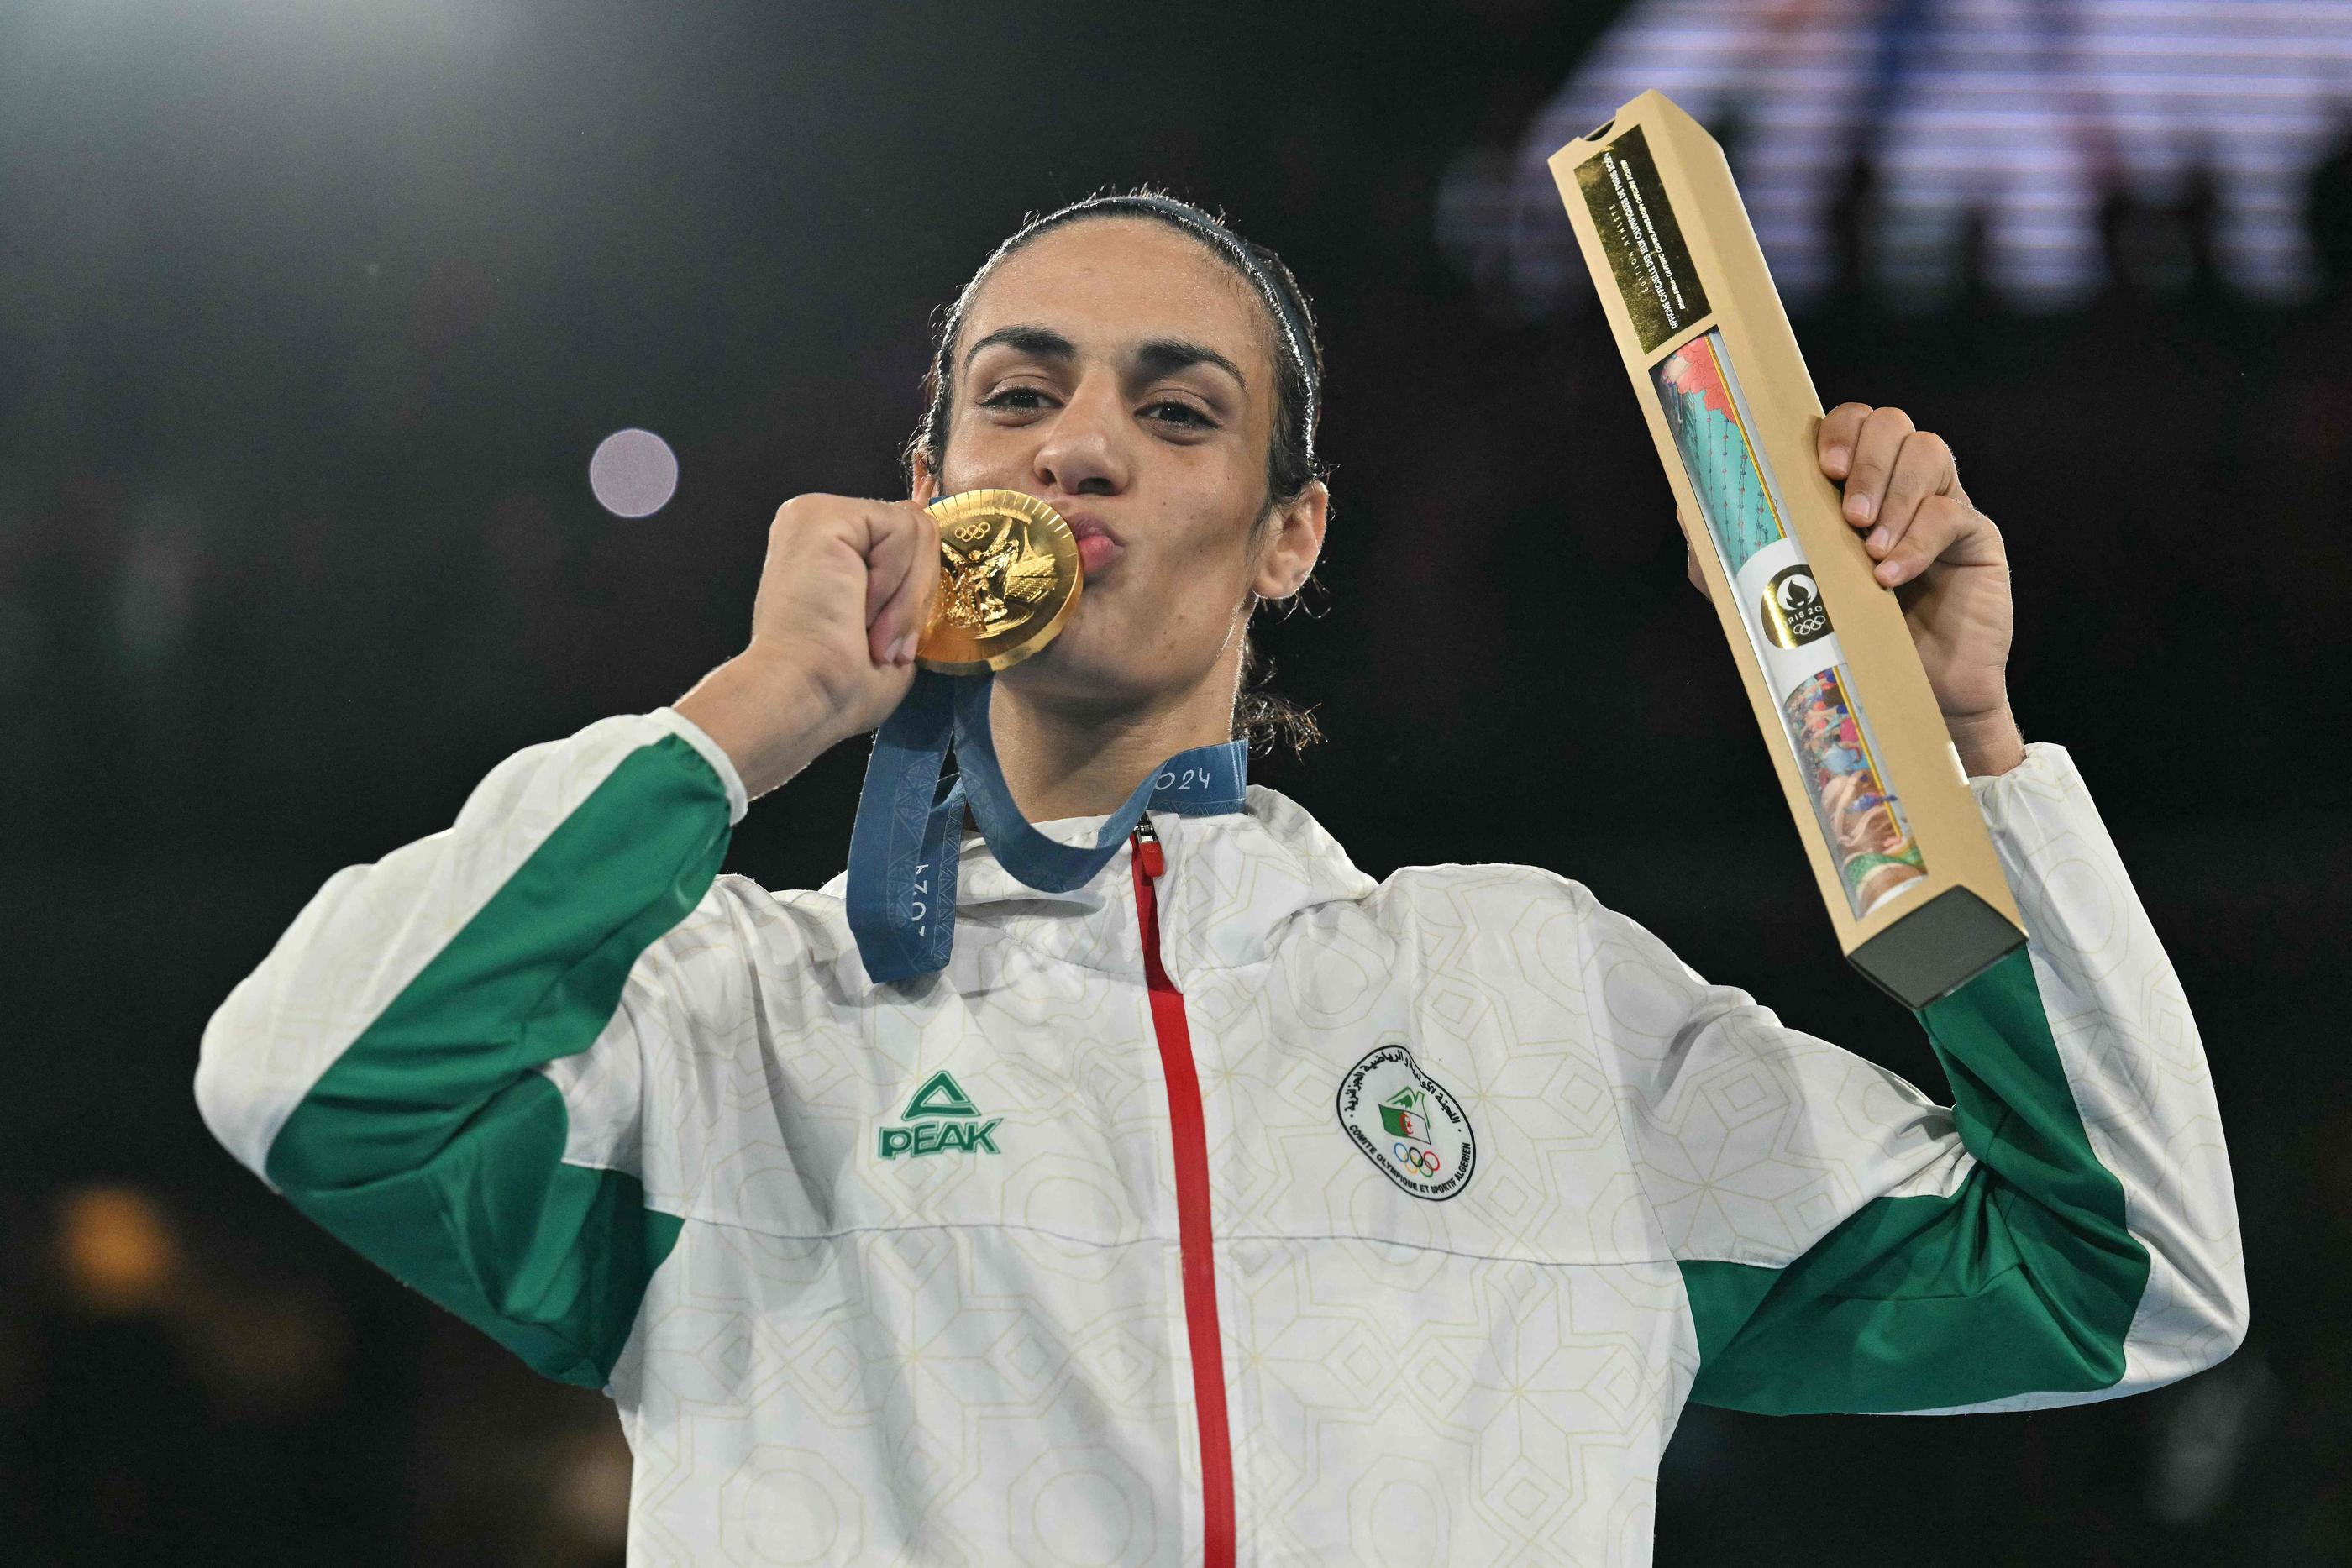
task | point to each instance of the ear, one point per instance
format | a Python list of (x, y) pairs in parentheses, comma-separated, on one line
[(1294, 543), (926, 487)]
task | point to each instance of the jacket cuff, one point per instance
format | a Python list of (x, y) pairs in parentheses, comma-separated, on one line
[(686, 730), (2037, 805)]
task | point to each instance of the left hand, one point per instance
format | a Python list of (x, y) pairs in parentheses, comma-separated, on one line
[(1945, 562)]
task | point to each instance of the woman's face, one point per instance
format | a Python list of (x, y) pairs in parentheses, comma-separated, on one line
[(1117, 370)]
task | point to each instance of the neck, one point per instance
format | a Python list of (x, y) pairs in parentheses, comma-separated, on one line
[(1062, 760)]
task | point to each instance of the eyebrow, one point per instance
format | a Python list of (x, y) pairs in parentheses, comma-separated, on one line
[(1160, 356), (1041, 341)]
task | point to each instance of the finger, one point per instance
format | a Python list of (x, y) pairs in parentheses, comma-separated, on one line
[(923, 576), (1874, 450), (898, 574), (1698, 577), (887, 548), (1690, 560), (1943, 527), (901, 575), (1834, 441), (1923, 468)]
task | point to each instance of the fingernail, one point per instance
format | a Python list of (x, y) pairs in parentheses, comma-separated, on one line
[(1888, 572), (1857, 506), (1878, 541), (902, 652), (1838, 457)]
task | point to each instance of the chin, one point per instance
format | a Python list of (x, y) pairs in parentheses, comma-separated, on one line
[(1081, 665)]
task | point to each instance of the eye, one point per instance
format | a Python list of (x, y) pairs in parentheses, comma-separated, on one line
[(1015, 400), (1168, 411)]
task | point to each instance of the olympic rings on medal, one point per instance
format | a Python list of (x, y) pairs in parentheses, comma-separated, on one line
[(1424, 1161)]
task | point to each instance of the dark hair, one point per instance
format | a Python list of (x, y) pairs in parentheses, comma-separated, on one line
[(1261, 717)]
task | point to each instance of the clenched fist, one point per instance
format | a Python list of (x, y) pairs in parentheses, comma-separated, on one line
[(844, 592)]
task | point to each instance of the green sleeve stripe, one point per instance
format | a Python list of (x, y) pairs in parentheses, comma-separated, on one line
[(2025, 1279), (433, 1147)]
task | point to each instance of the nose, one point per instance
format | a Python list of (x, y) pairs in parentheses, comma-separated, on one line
[(1083, 452)]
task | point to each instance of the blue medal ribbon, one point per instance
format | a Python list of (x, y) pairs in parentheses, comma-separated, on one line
[(904, 850)]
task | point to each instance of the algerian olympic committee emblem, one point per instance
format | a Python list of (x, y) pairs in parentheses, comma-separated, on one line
[(1408, 1123)]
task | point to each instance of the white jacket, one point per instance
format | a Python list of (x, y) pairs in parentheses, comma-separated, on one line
[(934, 1274)]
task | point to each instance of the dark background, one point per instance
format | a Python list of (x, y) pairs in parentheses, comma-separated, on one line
[(311, 314)]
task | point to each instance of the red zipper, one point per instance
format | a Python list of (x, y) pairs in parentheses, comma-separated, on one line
[(1192, 1234)]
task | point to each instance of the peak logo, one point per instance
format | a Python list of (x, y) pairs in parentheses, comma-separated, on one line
[(940, 1119)]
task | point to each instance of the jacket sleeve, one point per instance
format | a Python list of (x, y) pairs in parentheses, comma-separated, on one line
[(2065, 1231), (387, 1068)]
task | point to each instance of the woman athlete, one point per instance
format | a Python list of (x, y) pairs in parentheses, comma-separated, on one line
[(1230, 1206)]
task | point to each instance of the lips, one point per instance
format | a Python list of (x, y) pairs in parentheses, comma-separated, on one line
[(1097, 546)]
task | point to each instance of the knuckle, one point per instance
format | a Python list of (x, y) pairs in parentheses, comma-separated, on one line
[(799, 511)]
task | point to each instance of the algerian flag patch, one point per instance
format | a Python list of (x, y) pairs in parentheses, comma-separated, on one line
[(1408, 1123)]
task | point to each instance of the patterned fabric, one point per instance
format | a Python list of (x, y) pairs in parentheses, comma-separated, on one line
[(890, 1274)]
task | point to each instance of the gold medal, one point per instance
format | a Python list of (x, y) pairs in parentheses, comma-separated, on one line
[(1008, 581)]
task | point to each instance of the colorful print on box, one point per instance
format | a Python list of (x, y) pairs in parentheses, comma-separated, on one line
[(1861, 823), (1695, 385), (1868, 837)]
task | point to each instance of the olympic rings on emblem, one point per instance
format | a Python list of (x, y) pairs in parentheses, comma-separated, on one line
[(1425, 1161)]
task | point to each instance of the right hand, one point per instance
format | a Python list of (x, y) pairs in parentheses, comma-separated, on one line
[(845, 591)]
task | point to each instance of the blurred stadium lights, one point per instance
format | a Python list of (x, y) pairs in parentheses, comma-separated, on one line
[(588, 1507), (117, 1250), (2205, 1438), (2043, 135), (155, 597), (281, 28), (634, 473)]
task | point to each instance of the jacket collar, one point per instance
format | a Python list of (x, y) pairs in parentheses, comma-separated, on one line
[(1231, 884)]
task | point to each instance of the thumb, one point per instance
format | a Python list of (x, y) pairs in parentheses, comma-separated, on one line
[(1690, 560), (904, 574)]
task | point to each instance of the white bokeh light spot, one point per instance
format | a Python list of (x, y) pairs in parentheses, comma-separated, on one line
[(634, 473)]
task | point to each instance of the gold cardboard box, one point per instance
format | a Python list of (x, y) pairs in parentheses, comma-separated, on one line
[(1907, 870)]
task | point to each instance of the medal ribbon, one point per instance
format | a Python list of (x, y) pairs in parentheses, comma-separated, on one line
[(903, 851)]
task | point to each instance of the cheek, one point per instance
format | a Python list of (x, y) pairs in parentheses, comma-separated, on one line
[(1206, 559), (979, 454)]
